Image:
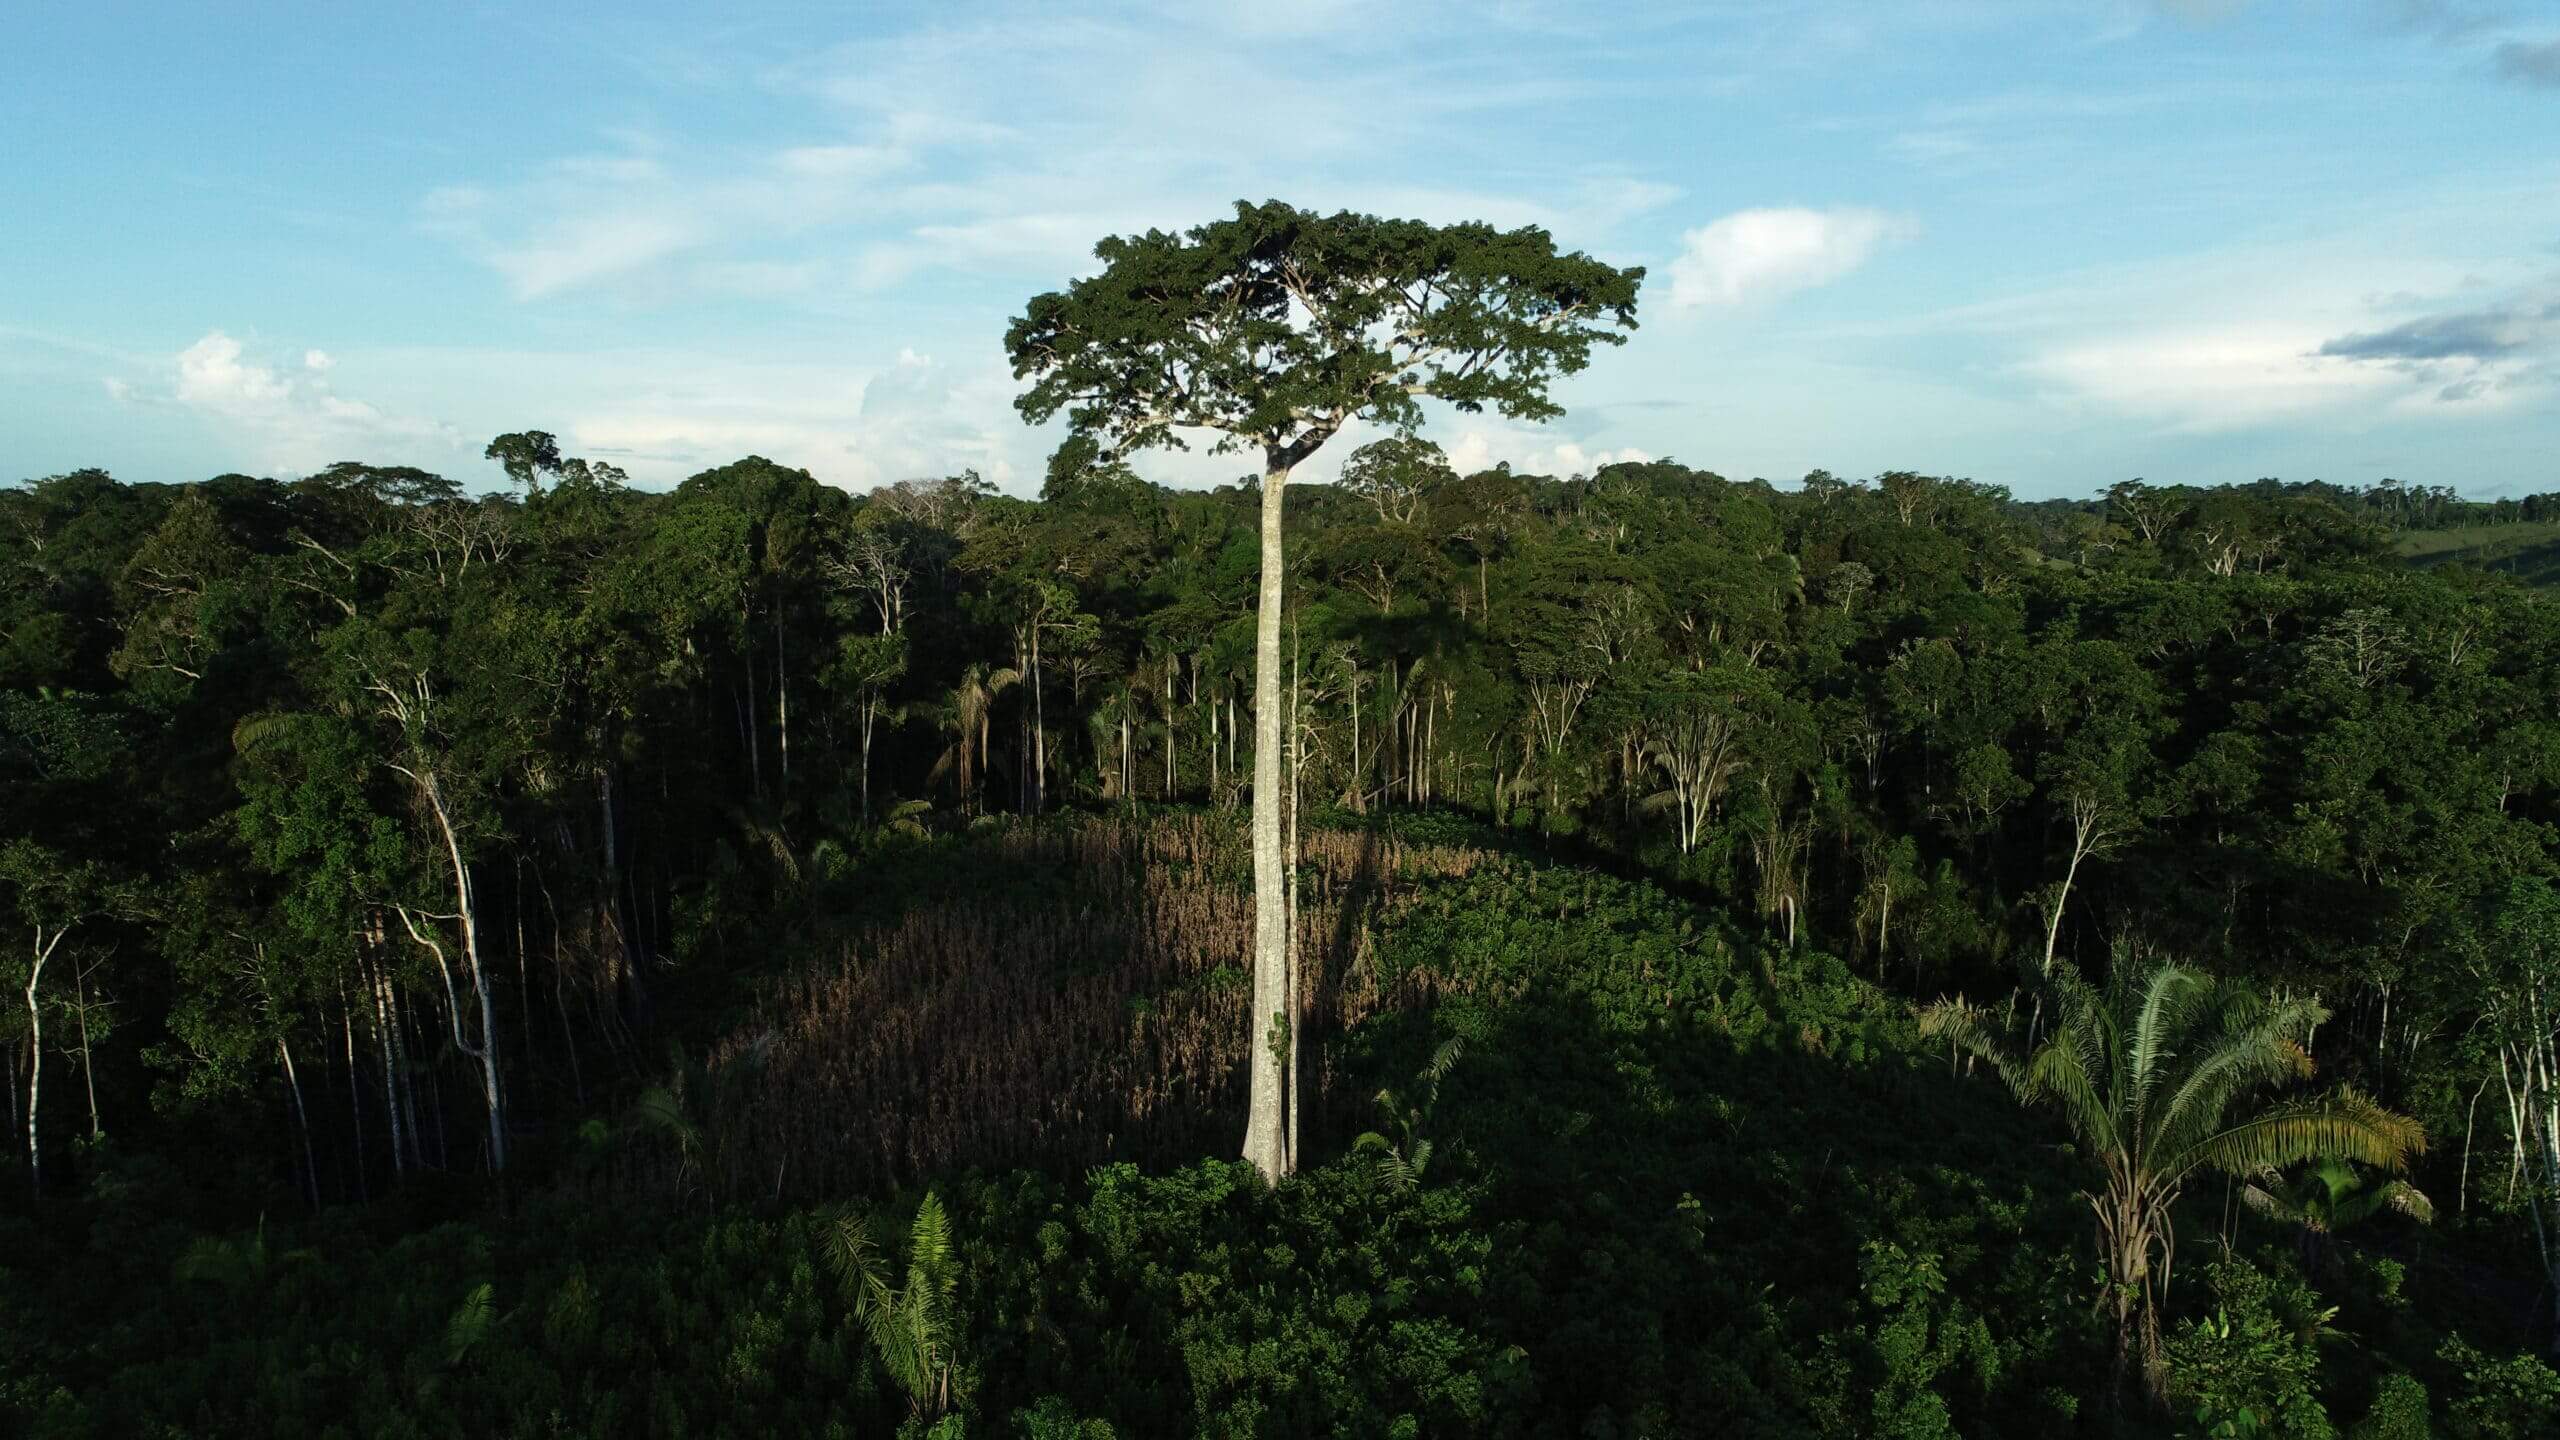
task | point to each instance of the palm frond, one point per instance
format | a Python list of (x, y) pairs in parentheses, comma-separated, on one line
[(470, 1323), (853, 1257), (662, 1111), (1971, 1029), (2249, 1051), (211, 1261), (2345, 1125), (2061, 1070), (2168, 1007), (1444, 1058)]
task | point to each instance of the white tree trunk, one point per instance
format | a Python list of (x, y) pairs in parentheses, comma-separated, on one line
[(1295, 981), (2084, 837), (35, 1054), (302, 1122), (1265, 1133), (491, 1091), (782, 694)]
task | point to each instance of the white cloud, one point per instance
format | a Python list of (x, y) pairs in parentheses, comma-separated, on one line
[(1530, 452), (1761, 254), (287, 423), (2207, 379), (908, 419)]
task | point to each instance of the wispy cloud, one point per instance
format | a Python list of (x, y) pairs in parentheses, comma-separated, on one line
[(2497, 332), (1762, 254), (2529, 63), (959, 143)]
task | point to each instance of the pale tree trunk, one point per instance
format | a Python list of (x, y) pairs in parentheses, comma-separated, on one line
[(1039, 730), (487, 1052), (1359, 775), (1884, 926), (624, 962), (88, 1068), (355, 1084), (44, 948), (870, 715), (302, 1121), (1265, 1132), (1295, 982), (2083, 834), (386, 1039)]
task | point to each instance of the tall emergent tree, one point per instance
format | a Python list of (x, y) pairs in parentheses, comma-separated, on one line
[(1273, 331)]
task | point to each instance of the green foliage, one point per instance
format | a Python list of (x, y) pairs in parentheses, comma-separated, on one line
[(1675, 792), (1267, 328), (2399, 1411), (2498, 1397), (915, 1326), (2251, 1366), (2165, 1075)]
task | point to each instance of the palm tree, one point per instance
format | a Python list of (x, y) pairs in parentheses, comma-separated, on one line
[(2162, 1076), (1399, 1163), (915, 1327), (2327, 1197), (971, 714)]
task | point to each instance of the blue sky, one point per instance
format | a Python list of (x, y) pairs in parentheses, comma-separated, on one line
[(2044, 243)]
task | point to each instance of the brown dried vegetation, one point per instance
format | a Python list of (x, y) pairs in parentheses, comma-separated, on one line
[(1027, 1025)]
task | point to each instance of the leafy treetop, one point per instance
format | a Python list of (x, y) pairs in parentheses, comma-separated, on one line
[(1278, 327)]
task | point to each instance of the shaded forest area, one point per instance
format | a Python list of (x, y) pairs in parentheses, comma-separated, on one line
[(756, 959)]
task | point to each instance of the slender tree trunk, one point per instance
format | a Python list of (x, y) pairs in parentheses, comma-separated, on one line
[(1039, 730), (387, 1035), (35, 1049), (1359, 772), (1290, 1154), (870, 714), (755, 714), (1265, 1138), (1884, 922), (2053, 922), (487, 1054), (617, 933), (782, 695), (302, 1120), (88, 1070), (355, 1084)]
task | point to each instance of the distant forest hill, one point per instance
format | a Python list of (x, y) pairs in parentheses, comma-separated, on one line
[(2429, 524)]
